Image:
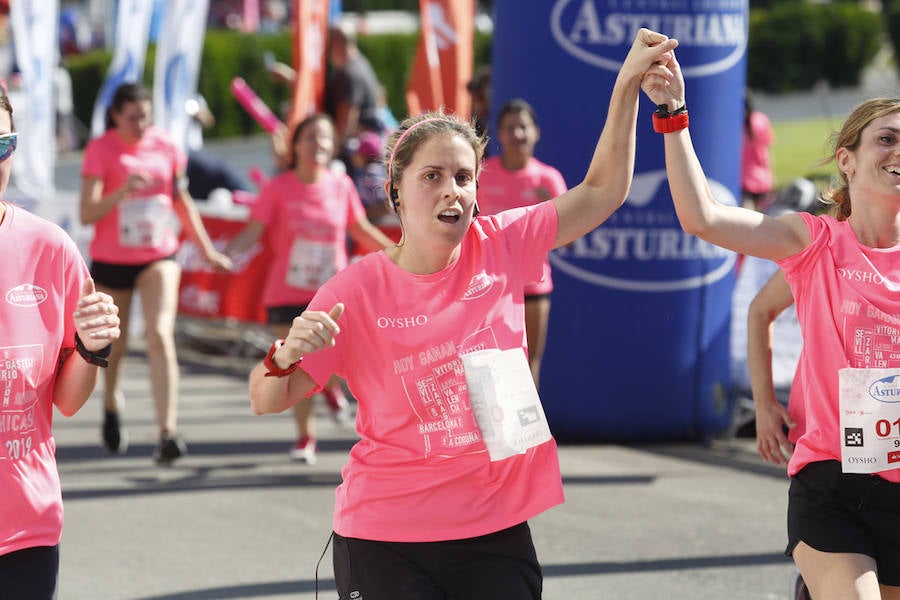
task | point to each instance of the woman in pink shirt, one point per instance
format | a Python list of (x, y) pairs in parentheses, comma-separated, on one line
[(306, 214), (133, 191), (516, 178), (757, 179), (55, 330), (428, 507), (844, 500)]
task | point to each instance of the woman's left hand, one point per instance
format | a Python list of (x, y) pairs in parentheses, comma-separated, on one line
[(96, 318), (221, 263)]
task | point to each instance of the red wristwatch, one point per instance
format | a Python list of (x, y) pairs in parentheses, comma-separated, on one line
[(273, 370), (666, 122)]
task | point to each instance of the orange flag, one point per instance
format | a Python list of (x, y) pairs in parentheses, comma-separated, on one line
[(443, 63), (310, 21)]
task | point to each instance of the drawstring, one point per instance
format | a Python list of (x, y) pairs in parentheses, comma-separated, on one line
[(319, 562)]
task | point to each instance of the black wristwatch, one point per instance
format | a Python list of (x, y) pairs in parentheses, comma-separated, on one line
[(99, 358)]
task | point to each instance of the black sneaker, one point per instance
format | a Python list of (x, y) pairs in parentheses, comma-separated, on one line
[(115, 437), (171, 448)]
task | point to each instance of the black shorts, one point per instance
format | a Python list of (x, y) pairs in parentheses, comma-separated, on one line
[(500, 566), (30, 573), (833, 511), (119, 277), (284, 315)]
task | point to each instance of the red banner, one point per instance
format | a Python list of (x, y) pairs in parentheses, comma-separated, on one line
[(310, 22), (235, 295), (443, 63)]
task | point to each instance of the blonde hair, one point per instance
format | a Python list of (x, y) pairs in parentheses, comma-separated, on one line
[(849, 137)]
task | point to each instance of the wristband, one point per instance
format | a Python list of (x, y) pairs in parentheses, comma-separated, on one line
[(668, 122), (99, 358), (273, 370)]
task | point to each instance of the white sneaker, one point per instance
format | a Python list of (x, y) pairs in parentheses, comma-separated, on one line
[(304, 450)]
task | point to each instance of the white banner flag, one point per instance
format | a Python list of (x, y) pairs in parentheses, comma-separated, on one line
[(175, 74), (34, 27), (127, 66)]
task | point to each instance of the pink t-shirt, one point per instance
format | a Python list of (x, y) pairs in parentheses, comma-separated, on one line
[(847, 304), (756, 167), (421, 471), (306, 227), (141, 229), (500, 189), (40, 284)]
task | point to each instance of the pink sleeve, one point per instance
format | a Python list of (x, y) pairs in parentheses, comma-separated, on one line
[(793, 266), (264, 207), (93, 164), (76, 272), (556, 185)]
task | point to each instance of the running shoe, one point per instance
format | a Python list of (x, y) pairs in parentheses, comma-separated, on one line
[(171, 448), (337, 404), (304, 450), (115, 437)]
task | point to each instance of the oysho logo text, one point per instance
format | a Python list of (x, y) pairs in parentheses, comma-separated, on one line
[(860, 276), (401, 322)]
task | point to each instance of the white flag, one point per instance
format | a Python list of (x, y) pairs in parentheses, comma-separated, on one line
[(34, 29), (127, 66), (178, 53)]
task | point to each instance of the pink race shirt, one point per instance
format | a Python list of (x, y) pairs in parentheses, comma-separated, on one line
[(306, 227), (848, 306), (756, 167), (421, 471), (499, 190), (141, 229), (40, 284)]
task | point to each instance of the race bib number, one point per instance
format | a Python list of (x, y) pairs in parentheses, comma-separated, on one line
[(143, 221), (310, 265), (869, 419), (505, 402)]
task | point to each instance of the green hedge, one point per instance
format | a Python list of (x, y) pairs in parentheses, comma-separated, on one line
[(794, 45), (891, 10), (227, 54)]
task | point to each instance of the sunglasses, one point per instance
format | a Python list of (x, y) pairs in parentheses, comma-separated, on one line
[(8, 143)]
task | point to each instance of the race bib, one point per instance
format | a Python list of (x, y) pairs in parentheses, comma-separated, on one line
[(505, 402), (310, 265), (143, 222), (869, 419)]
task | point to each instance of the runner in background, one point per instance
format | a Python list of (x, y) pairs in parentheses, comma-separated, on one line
[(516, 178), (133, 190), (306, 214)]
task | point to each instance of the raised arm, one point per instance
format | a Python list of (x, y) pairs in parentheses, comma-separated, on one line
[(608, 178), (771, 300), (745, 231)]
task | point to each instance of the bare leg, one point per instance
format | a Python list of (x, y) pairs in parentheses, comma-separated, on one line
[(158, 287), (537, 314), (837, 576)]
